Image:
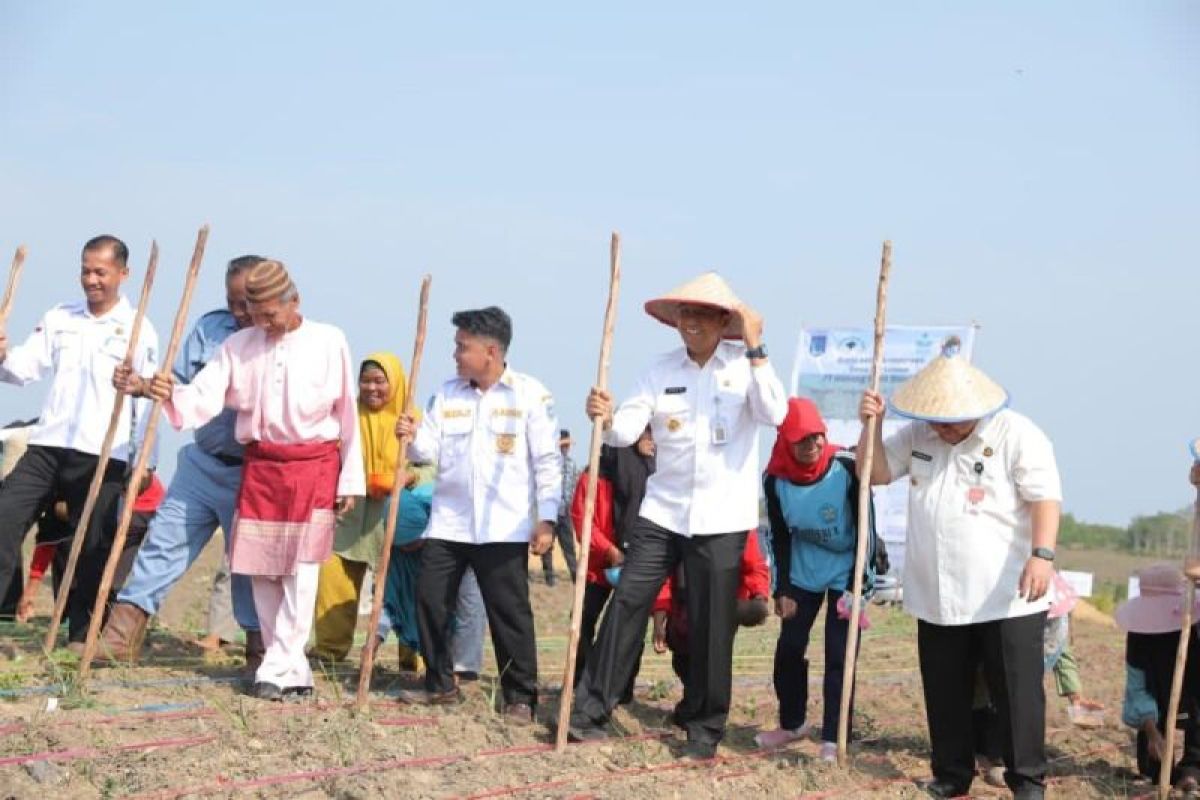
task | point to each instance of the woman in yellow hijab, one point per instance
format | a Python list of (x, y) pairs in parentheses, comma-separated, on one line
[(382, 393)]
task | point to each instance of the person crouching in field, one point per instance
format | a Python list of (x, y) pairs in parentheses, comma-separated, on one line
[(670, 613), (1151, 622)]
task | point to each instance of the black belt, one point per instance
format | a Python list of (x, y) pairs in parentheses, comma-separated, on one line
[(229, 461)]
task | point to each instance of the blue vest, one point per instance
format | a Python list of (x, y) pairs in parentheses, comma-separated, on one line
[(821, 522)]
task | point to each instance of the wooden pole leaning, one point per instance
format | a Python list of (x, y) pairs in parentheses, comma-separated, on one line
[(143, 459), (1191, 571), (589, 506), (14, 277), (866, 458), (367, 659), (114, 421)]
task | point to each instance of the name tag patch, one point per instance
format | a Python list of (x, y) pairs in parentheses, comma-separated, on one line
[(675, 390), (922, 456)]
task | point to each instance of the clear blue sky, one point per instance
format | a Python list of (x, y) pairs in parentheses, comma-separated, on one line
[(1036, 165)]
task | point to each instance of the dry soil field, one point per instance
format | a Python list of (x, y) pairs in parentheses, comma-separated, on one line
[(179, 726)]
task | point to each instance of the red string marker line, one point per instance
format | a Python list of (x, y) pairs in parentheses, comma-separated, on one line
[(78, 753)]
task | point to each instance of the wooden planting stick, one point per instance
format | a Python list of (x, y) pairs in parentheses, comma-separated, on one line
[(589, 507), (367, 659), (143, 459)]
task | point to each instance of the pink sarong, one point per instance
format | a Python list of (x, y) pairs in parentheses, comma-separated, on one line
[(285, 508)]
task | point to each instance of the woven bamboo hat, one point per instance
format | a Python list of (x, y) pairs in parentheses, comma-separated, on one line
[(949, 389), (710, 289)]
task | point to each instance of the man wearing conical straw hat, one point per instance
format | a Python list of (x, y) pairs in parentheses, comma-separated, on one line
[(984, 501), (704, 403)]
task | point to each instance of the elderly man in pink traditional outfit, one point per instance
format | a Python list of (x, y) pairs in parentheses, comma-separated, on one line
[(291, 382)]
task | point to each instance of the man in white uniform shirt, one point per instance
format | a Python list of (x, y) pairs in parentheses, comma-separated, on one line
[(984, 501), (78, 344), (704, 403), (494, 437)]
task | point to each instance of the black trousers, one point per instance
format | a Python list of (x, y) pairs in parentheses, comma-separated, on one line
[(565, 535), (791, 662), (1010, 651), (44, 474), (503, 574), (713, 567), (595, 598)]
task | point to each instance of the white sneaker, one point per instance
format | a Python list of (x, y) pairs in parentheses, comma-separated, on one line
[(829, 752)]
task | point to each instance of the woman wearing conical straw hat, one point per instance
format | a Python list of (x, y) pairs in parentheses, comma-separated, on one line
[(983, 510), (704, 403)]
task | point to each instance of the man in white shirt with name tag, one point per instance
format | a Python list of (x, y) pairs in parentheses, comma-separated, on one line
[(494, 437), (983, 510), (704, 403), (78, 344)]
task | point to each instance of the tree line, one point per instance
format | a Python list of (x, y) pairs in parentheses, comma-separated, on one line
[(1164, 534)]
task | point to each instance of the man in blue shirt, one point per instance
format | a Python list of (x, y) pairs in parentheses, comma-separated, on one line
[(202, 496)]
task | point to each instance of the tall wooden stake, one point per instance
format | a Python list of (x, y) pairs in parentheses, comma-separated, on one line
[(367, 659), (1185, 631), (14, 277), (589, 505), (864, 509), (114, 421), (143, 459)]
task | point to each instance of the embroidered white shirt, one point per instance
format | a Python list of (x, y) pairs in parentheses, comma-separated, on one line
[(80, 351), (498, 463), (705, 426), (970, 530)]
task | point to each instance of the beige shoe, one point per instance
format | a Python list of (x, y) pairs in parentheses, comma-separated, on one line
[(122, 638)]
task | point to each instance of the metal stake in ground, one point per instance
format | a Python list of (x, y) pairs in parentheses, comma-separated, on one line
[(143, 458), (14, 277), (589, 505), (1191, 572), (114, 421), (864, 510), (367, 659)]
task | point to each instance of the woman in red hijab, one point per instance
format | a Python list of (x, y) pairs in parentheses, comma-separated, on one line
[(812, 491)]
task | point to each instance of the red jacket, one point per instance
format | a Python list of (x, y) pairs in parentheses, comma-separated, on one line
[(756, 581), (602, 526)]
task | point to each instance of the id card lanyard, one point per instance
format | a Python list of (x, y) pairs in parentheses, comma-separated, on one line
[(720, 432)]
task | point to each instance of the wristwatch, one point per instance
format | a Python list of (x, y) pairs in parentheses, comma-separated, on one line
[(757, 352), (1044, 553)]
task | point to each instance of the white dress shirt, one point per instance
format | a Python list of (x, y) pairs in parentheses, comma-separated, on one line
[(705, 425), (497, 459), (970, 530), (80, 351)]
